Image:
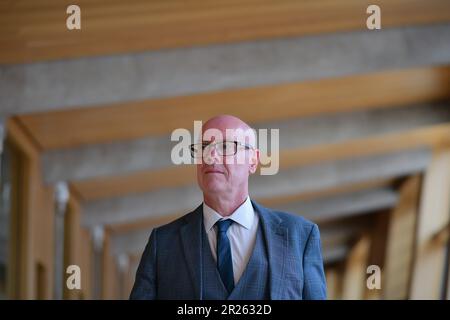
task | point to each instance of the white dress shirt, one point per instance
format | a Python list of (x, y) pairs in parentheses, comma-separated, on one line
[(241, 233)]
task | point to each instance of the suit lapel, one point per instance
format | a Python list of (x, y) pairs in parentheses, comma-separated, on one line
[(191, 234), (276, 236)]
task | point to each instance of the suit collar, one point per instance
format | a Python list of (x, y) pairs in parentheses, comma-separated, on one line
[(276, 236)]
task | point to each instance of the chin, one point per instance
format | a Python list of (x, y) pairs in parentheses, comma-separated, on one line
[(212, 186)]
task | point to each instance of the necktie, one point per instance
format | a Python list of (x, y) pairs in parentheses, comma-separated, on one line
[(224, 260)]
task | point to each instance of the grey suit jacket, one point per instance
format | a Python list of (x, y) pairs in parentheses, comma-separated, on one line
[(170, 267)]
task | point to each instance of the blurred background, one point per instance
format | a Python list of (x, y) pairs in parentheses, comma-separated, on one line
[(86, 117)]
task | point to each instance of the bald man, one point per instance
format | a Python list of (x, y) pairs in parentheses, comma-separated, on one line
[(231, 247)]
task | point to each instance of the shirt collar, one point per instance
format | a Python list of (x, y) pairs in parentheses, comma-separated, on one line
[(243, 215)]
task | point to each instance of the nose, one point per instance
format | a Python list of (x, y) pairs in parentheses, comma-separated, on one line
[(210, 155)]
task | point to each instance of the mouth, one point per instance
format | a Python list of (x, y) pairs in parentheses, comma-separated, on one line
[(214, 172)]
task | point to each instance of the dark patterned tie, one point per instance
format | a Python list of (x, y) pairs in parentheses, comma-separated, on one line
[(224, 260)]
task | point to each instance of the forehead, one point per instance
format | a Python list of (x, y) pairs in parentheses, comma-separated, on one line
[(244, 135)]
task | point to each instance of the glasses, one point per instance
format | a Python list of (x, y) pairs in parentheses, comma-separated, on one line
[(223, 148)]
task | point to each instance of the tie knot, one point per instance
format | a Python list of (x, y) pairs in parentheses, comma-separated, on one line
[(223, 225)]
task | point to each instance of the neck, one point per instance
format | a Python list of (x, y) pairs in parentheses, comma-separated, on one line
[(225, 205)]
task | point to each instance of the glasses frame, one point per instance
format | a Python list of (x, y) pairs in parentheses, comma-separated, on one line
[(214, 144)]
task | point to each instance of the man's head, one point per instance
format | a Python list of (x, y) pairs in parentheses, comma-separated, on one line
[(225, 167)]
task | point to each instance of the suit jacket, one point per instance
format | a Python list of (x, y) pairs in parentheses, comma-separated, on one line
[(171, 267)]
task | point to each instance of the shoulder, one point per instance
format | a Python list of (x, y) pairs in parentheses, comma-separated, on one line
[(298, 224), (292, 219), (295, 223), (175, 225)]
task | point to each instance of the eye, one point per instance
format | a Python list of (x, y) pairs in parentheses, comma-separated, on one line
[(229, 148)]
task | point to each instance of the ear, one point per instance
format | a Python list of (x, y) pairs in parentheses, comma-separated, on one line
[(254, 161)]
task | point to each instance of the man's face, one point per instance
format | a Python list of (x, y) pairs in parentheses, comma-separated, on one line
[(219, 173)]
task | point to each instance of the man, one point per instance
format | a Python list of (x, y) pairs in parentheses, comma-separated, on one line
[(231, 247)]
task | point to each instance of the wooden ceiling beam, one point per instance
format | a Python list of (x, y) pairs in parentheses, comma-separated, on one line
[(273, 201), (133, 120), (34, 31), (146, 181)]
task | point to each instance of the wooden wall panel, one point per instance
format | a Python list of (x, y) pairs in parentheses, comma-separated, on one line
[(397, 274), (110, 279), (86, 265), (428, 272), (30, 262), (73, 245), (354, 279)]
